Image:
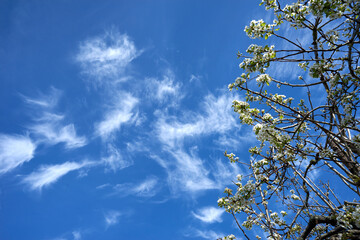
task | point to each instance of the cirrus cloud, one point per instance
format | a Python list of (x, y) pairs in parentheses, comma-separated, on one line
[(106, 56), (14, 151), (209, 214), (49, 174)]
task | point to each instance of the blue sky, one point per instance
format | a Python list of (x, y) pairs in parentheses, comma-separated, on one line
[(115, 115)]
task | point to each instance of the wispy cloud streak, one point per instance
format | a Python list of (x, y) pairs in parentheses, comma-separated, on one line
[(121, 113), (106, 56), (189, 173), (112, 217), (164, 90), (206, 234), (147, 188), (209, 214), (49, 174), (48, 127), (76, 235), (114, 160), (44, 100), (217, 118), (14, 151), (53, 133)]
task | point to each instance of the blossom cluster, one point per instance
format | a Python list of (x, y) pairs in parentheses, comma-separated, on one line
[(318, 68), (261, 58), (349, 217), (269, 4), (239, 81), (294, 196), (296, 14), (245, 112), (229, 237), (259, 29), (243, 197), (330, 8), (263, 79), (333, 37), (280, 98)]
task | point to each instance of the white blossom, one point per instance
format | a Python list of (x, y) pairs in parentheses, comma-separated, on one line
[(263, 78)]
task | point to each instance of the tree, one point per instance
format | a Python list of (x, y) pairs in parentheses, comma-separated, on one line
[(309, 144)]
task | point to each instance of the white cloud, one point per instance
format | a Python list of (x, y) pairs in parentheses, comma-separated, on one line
[(209, 214), (53, 132), (207, 234), (14, 151), (137, 146), (102, 186), (148, 188), (190, 173), (112, 217), (194, 78), (164, 89), (114, 160), (217, 118), (49, 127), (234, 141), (44, 101), (76, 235), (117, 115), (186, 172), (49, 174), (107, 55)]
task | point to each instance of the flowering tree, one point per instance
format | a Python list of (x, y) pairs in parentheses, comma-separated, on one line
[(308, 144)]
